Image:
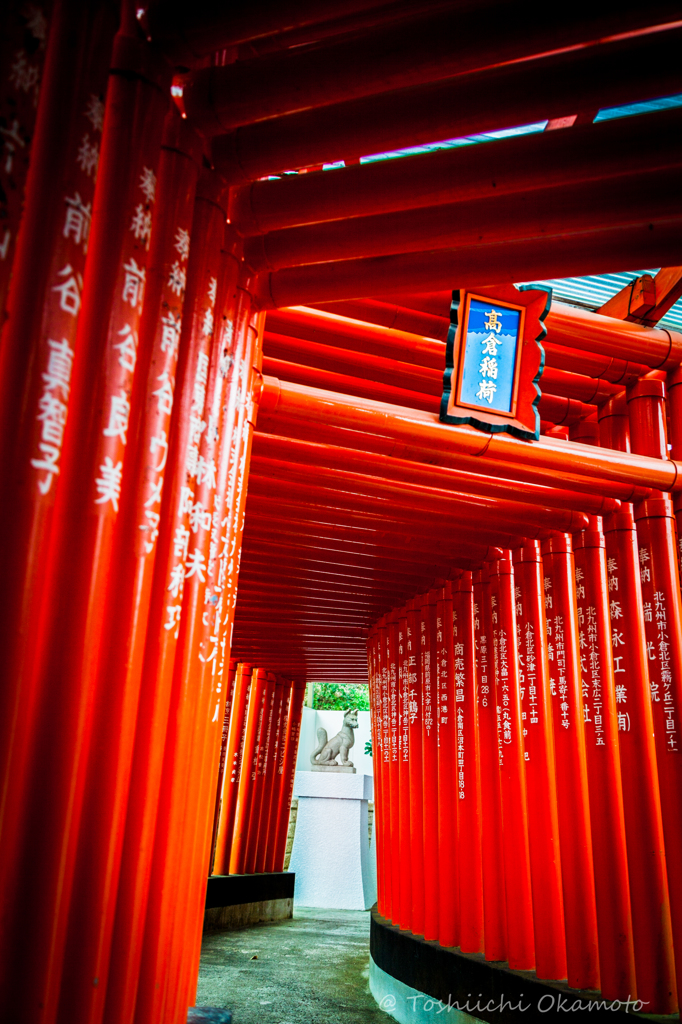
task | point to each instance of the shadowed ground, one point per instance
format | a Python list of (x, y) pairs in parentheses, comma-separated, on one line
[(309, 970)]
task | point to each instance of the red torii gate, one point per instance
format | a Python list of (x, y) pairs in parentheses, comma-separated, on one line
[(131, 372)]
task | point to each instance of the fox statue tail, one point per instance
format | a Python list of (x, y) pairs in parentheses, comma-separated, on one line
[(321, 744)]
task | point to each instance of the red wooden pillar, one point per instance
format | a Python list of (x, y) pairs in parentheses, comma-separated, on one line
[(404, 848), (674, 385), (448, 860), (29, 85), (383, 811), (428, 644), (467, 778), (39, 327), (612, 886), (259, 781), (159, 720), (287, 770), (233, 763), (649, 895), (416, 859), (659, 577), (577, 870), (185, 530), (538, 737), (232, 680), (254, 722), (272, 779), (375, 710), (494, 898), (130, 590), (394, 761), (520, 942), (68, 641)]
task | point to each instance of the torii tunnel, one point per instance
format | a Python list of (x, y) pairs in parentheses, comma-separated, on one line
[(242, 450)]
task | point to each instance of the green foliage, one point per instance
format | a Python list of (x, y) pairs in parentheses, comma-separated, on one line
[(340, 697), (368, 748)]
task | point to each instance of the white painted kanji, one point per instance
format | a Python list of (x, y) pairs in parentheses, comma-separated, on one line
[(133, 284), (69, 290), (141, 225), (88, 156), (177, 279), (94, 111), (170, 333), (108, 483), (182, 243), (127, 348), (12, 140), (77, 220), (148, 184), (164, 394), (57, 376), (119, 413)]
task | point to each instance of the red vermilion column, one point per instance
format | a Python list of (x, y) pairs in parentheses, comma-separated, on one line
[(26, 35), (38, 338), (538, 738), (254, 720), (375, 712), (394, 763), (248, 398), (264, 742), (383, 812), (494, 899), (675, 427), (577, 871), (233, 763), (232, 681), (612, 885), (189, 275), (130, 587), (467, 778), (428, 645), (404, 772), (446, 731), (69, 636), (520, 942), (656, 540), (288, 768), (178, 596), (270, 778), (649, 895), (278, 762), (416, 858)]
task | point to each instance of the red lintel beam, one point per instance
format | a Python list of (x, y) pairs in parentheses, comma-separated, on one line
[(307, 453), (355, 491), (462, 174), (557, 211), (185, 32), (325, 515), (422, 430), (368, 339), (603, 340), (588, 252), (386, 314), (554, 408), (407, 552), (219, 99), (558, 85)]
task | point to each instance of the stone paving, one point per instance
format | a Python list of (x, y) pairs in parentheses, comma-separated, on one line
[(309, 970)]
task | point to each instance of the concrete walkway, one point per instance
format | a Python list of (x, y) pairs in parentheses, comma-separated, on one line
[(309, 970)]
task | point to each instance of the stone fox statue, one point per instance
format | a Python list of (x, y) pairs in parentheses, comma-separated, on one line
[(327, 751)]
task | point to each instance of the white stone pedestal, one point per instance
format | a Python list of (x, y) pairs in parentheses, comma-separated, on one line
[(331, 856)]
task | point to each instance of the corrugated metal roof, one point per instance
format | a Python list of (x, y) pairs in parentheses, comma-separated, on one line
[(591, 292)]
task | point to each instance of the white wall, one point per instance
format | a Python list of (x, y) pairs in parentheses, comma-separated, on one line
[(332, 722)]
